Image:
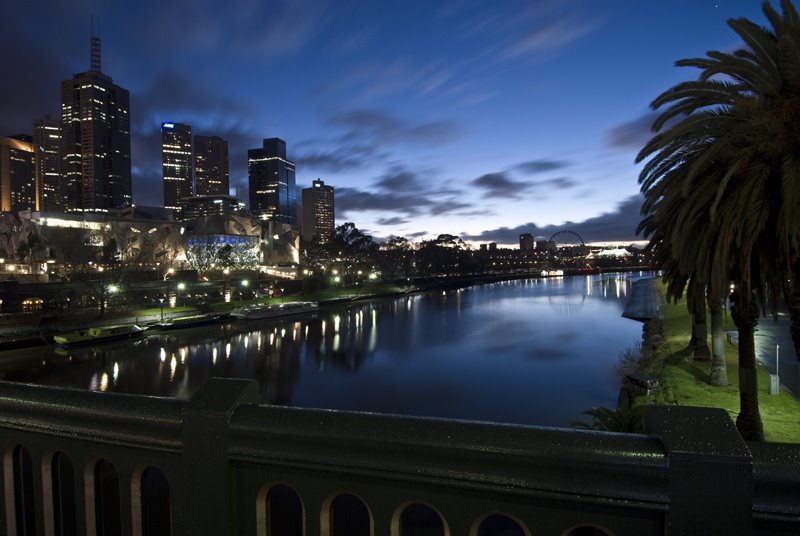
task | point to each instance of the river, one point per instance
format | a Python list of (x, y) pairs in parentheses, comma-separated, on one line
[(530, 351)]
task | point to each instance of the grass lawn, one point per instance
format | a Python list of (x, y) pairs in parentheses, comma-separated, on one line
[(685, 382)]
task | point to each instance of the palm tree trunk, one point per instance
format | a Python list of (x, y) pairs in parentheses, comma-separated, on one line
[(719, 368), (745, 315), (696, 302)]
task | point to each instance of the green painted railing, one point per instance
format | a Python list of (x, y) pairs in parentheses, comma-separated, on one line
[(80, 462)]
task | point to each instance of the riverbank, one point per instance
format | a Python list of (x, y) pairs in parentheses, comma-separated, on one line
[(685, 382)]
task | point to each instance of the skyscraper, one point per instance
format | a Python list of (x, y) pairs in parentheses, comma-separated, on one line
[(47, 159), (318, 213), (210, 165), (17, 183), (271, 177), (95, 140), (176, 159)]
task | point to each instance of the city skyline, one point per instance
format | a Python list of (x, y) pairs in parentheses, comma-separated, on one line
[(462, 118)]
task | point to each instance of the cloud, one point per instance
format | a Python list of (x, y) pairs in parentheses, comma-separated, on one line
[(533, 167), (499, 185), (392, 221), (383, 126), (399, 180), (549, 38), (633, 134), (617, 226)]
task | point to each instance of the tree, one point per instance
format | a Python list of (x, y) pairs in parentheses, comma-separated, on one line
[(396, 258), (725, 159)]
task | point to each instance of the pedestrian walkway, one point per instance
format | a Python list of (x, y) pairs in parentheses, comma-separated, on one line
[(769, 334)]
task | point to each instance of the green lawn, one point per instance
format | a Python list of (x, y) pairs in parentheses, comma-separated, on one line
[(685, 382)]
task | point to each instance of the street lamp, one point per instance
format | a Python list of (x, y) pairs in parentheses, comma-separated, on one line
[(161, 299)]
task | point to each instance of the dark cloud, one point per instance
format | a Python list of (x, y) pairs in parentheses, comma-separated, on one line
[(617, 226), (399, 180), (540, 166), (384, 127), (499, 185), (635, 134), (559, 183), (336, 155), (181, 97), (392, 221), (352, 200)]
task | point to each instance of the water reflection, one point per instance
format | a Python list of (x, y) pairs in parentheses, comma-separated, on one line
[(530, 351)]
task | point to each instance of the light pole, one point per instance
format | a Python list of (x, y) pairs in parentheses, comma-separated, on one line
[(161, 301)]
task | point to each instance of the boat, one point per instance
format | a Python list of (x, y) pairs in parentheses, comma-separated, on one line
[(259, 311), (182, 322), (98, 334)]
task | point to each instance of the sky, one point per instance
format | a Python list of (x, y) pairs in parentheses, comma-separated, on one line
[(481, 119)]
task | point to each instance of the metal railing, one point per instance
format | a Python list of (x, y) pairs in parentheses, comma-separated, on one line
[(81, 462)]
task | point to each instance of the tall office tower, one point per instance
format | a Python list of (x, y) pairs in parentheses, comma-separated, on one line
[(526, 242), (176, 159), (318, 213), (17, 181), (271, 177), (210, 166), (95, 140), (47, 160)]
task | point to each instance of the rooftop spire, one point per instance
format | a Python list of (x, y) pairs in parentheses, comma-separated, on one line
[(95, 49)]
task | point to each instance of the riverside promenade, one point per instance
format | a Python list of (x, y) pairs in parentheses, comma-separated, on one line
[(769, 334)]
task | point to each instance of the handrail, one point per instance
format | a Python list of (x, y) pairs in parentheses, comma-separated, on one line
[(219, 450)]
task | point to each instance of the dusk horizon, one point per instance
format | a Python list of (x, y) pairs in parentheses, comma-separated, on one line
[(470, 120)]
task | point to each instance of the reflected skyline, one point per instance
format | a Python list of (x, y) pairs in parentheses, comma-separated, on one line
[(506, 352)]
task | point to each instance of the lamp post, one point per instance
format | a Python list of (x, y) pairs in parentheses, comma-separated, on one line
[(161, 298)]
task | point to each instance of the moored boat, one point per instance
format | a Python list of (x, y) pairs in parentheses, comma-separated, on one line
[(187, 322), (259, 311), (98, 334)]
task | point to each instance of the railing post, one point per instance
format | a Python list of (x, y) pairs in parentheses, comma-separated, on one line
[(207, 489), (710, 470)]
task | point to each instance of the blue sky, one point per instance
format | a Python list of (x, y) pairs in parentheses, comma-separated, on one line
[(482, 119)]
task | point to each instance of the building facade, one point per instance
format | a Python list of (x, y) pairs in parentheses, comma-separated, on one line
[(47, 163), (17, 178), (176, 160), (211, 170), (273, 195), (200, 206), (318, 223), (95, 140), (526, 242)]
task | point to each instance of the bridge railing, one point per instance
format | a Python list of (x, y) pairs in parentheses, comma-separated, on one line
[(80, 462)]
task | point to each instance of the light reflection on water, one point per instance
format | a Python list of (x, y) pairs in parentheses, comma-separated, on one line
[(537, 351)]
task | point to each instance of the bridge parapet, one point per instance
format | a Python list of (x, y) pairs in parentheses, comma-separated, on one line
[(224, 463)]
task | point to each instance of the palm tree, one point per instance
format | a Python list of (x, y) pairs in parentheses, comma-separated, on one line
[(731, 156)]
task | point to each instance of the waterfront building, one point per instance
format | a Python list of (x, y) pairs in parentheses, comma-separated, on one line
[(318, 223), (272, 183), (526, 242), (17, 180), (47, 163), (211, 168), (176, 160), (95, 140), (199, 206)]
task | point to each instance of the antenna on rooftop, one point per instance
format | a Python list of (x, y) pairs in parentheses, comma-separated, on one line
[(95, 49)]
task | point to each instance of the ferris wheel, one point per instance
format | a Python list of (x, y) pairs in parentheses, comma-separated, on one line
[(567, 239)]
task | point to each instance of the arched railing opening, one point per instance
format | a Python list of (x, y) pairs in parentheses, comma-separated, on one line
[(500, 525), (62, 483), (349, 516), (284, 511), (107, 517), (420, 519), (23, 491), (155, 507)]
